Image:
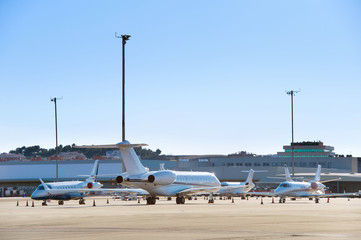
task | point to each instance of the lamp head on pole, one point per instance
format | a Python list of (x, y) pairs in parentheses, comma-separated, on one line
[(292, 92), (124, 37)]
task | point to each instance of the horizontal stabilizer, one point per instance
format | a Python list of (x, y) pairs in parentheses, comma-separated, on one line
[(330, 180), (119, 145), (97, 146)]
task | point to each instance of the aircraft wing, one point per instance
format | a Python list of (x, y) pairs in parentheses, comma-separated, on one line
[(262, 194), (269, 194), (119, 190), (190, 191), (332, 195), (97, 190)]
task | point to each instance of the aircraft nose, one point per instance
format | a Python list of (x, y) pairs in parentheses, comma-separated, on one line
[(35, 195), (278, 190)]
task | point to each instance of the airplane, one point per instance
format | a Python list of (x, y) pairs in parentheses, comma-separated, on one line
[(241, 188), (74, 190), (294, 189), (163, 182)]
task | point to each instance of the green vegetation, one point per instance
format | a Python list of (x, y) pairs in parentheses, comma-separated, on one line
[(36, 151)]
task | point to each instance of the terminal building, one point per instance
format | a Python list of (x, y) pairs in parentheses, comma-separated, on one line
[(22, 177)]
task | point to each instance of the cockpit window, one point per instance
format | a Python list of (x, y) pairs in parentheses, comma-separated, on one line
[(41, 187), (285, 185)]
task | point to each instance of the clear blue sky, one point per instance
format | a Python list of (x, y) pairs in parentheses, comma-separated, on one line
[(201, 76)]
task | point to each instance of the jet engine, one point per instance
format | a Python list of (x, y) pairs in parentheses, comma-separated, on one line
[(162, 177), (119, 179), (314, 185), (90, 185)]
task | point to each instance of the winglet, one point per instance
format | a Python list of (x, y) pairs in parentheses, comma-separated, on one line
[(45, 186)]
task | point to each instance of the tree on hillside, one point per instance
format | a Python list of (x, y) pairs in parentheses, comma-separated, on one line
[(36, 151)]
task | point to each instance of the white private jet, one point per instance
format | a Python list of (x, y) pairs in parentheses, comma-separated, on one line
[(164, 182), (312, 189), (241, 188), (73, 190)]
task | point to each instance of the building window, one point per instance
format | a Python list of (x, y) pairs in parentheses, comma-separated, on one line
[(323, 164), (312, 164)]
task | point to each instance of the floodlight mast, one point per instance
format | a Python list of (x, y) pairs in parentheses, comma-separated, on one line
[(292, 93), (56, 137), (124, 38)]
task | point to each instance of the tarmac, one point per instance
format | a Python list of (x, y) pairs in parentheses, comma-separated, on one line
[(196, 219)]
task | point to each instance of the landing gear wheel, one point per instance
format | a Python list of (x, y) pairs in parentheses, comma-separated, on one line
[(210, 198), (283, 200), (44, 203), (60, 202), (180, 200), (81, 201), (151, 200), (317, 200)]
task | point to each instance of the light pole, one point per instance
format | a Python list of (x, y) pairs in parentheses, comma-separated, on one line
[(292, 93), (124, 38), (56, 137)]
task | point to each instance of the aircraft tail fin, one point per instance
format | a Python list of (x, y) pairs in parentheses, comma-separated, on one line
[(250, 176), (318, 174), (287, 175), (94, 173), (130, 158)]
